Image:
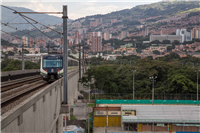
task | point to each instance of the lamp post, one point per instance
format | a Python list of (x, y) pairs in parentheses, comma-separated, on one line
[(133, 85), (89, 91), (153, 80)]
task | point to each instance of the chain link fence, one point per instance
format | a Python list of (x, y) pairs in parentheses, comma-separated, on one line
[(142, 96)]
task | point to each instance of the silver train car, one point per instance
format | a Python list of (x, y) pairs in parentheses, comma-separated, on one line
[(51, 66)]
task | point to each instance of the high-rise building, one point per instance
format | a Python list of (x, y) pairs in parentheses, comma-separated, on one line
[(145, 31), (77, 38), (25, 40), (96, 41), (106, 35), (195, 32), (186, 36), (31, 42), (123, 34)]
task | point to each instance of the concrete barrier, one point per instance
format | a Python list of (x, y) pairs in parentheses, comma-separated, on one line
[(40, 112), (11, 75)]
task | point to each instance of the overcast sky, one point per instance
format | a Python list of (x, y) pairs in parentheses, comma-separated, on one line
[(78, 8)]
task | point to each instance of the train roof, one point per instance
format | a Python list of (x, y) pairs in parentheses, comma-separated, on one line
[(69, 58)]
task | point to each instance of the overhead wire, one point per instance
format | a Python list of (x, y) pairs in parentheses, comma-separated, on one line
[(25, 18), (13, 35), (19, 31)]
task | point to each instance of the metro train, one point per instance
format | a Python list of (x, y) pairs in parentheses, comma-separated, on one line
[(51, 66)]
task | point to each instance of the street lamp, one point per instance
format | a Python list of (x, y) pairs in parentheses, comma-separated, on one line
[(89, 91), (133, 85), (153, 80), (197, 83)]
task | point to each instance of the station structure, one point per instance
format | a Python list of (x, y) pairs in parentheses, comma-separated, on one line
[(143, 116)]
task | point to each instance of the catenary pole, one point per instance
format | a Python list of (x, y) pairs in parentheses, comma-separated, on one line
[(65, 50), (22, 54), (79, 61), (83, 57)]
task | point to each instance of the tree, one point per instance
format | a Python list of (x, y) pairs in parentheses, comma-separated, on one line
[(156, 52), (10, 53), (176, 42), (26, 51), (101, 74), (180, 84), (155, 42), (166, 41)]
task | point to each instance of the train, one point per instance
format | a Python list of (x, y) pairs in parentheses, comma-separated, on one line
[(51, 66)]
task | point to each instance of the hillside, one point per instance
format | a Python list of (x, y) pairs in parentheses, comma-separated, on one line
[(6, 43), (9, 16), (163, 9)]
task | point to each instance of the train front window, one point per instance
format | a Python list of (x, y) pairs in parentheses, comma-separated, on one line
[(52, 63)]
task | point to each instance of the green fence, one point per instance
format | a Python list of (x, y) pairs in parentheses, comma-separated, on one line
[(189, 102)]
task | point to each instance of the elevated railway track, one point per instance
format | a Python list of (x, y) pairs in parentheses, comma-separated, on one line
[(13, 92)]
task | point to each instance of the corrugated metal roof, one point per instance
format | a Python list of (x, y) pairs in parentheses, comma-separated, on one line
[(164, 113)]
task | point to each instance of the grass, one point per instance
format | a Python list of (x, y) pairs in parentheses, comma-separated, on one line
[(72, 117), (91, 105)]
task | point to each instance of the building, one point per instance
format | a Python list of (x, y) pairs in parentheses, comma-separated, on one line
[(107, 35), (195, 33), (31, 42), (123, 34), (145, 31), (171, 38), (113, 21), (145, 116), (77, 38), (77, 25), (186, 36), (96, 41), (25, 40), (125, 49), (94, 23)]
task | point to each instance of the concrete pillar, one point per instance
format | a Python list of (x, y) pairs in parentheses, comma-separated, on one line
[(153, 127), (199, 127), (183, 127), (60, 123)]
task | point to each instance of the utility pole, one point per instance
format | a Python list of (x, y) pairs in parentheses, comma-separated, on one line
[(83, 58), (65, 59), (79, 61), (89, 92), (133, 85), (153, 80), (22, 54)]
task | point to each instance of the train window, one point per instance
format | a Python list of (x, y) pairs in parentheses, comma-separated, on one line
[(52, 63)]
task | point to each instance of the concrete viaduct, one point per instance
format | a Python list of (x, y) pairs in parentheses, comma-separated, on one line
[(40, 113)]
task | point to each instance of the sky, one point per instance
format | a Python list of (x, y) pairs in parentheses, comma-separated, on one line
[(77, 8)]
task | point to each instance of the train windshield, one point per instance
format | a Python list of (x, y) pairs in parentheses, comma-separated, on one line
[(52, 63)]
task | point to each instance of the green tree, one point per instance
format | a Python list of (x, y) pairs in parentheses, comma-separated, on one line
[(180, 84), (166, 41), (10, 53), (156, 52)]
